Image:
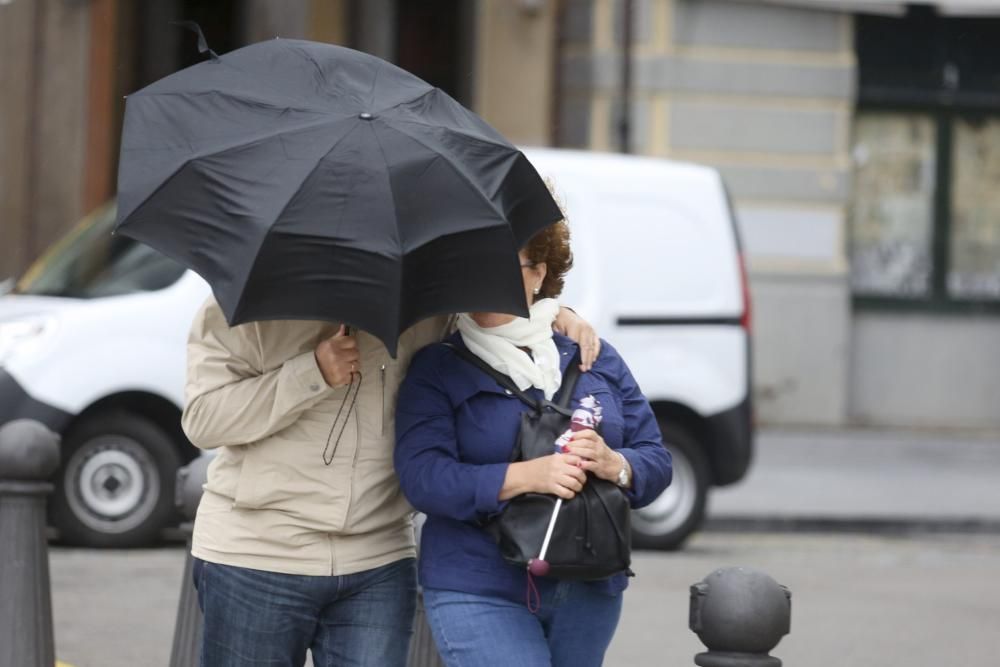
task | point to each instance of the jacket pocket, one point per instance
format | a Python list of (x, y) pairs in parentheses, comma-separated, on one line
[(259, 485)]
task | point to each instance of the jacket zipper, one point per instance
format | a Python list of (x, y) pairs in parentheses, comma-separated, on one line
[(382, 375), (359, 439)]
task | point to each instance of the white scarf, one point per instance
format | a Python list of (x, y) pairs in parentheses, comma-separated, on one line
[(499, 347)]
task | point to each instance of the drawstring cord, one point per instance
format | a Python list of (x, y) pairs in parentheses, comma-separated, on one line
[(354, 399), (531, 597)]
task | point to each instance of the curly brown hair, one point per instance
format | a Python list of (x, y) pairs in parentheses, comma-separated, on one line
[(551, 247)]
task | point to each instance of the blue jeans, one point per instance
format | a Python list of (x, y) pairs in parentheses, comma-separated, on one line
[(254, 617), (573, 627)]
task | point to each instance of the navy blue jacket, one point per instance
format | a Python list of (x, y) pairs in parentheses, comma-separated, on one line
[(455, 433)]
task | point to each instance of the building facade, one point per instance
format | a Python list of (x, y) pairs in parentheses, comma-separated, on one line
[(859, 140)]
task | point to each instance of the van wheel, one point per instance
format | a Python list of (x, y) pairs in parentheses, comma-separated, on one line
[(670, 519), (115, 486)]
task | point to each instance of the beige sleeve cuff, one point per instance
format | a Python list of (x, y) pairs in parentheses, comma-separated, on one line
[(306, 371)]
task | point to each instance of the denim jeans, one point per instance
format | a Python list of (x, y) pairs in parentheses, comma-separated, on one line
[(573, 627), (254, 617)]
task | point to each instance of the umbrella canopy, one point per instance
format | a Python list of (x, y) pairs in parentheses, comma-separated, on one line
[(311, 181)]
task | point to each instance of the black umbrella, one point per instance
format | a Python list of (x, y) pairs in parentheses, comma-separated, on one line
[(311, 181)]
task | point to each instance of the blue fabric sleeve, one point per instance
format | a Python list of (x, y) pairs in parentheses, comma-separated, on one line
[(426, 457), (642, 441)]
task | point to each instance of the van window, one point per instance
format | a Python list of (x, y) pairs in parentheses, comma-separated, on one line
[(90, 262)]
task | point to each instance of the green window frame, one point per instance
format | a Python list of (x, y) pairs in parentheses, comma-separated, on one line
[(898, 78)]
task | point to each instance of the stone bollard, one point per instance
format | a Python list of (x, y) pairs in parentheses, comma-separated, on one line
[(187, 627), (29, 455), (740, 614)]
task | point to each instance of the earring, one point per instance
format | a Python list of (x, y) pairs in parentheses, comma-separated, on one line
[(537, 290)]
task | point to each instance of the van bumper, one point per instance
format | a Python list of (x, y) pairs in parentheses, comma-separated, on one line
[(730, 435), (15, 403)]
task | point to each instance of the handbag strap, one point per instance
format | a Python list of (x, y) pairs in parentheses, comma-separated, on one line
[(562, 398)]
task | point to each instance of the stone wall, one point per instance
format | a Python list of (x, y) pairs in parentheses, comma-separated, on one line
[(765, 93)]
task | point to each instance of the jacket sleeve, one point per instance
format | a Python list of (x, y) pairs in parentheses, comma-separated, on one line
[(229, 399), (431, 474), (650, 461)]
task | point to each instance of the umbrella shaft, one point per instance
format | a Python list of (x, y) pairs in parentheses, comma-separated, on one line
[(548, 531)]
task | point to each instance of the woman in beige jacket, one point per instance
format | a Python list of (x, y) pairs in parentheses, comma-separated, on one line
[(303, 539)]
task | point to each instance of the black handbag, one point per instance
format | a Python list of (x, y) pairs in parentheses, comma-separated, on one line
[(591, 537)]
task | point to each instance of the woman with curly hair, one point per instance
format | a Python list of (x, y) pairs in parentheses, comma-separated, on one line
[(456, 429)]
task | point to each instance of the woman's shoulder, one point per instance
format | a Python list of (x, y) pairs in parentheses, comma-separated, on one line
[(435, 357), (568, 346), (609, 365), (440, 367)]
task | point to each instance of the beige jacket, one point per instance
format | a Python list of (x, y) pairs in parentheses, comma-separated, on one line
[(256, 396)]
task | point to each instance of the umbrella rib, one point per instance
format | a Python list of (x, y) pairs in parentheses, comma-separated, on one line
[(416, 120), (267, 234), (458, 171), (414, 99), (241, 144), (371, 91), (308, 56), (224, 93), (474, 137), (282, 43), (513, 149), (392, 193)]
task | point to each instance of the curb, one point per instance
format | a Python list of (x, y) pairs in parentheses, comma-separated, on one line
[(848, 524)]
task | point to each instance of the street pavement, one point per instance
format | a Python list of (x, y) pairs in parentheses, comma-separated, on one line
[(866, 480), (915, 601), (889, 542)]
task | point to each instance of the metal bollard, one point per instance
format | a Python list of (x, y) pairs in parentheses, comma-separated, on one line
[(740, 615), (187, 627), (29, 455), (423, 650)]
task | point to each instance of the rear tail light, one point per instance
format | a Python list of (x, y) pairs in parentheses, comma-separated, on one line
[(745, 318)]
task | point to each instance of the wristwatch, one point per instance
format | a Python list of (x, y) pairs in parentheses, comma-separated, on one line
[(623, 476)]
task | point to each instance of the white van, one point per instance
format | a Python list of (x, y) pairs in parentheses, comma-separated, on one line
[(92, 343)]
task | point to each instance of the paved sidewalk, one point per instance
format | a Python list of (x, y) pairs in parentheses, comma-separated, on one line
[(865, 479), (117, 608), (921, 601)]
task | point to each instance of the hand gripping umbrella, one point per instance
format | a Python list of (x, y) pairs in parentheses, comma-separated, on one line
[(311, 181)]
